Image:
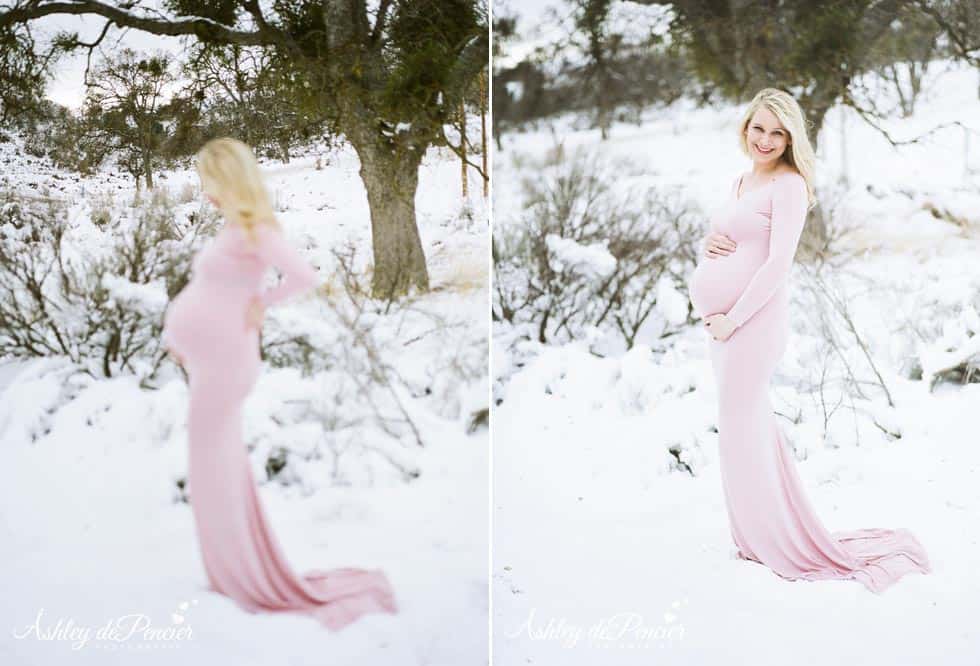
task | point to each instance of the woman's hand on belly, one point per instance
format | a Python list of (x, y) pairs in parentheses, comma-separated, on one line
[(717, 283), (719, 326), (718, 244)]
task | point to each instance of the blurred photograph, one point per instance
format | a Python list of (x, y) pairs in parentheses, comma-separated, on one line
[(244, 332)]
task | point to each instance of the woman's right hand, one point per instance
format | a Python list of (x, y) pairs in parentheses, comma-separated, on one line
[(718, 244)]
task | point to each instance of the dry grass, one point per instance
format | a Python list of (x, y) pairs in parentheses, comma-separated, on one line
[(102, 205)]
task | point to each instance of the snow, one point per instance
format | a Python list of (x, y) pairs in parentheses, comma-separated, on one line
[(150, 297), (671, 302), (592, 260), (611, 541), (92, 521)]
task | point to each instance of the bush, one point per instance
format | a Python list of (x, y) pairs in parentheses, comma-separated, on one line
[(71, 141), (99, 303), (590, 252)]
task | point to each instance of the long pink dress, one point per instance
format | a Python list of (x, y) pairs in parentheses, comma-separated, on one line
[(206, 326), (771, 520)]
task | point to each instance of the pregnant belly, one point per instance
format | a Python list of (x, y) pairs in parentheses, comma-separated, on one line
[(717, 283), (205, 321)]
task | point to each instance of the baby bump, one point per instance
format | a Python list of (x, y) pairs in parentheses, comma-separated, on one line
[(718, 282), (199, 322)]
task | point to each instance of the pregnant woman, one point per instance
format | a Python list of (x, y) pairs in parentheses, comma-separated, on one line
[(740, 290), (212, 329)]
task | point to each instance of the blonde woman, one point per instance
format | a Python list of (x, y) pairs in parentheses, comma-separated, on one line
[(740, 290), (212, 329)]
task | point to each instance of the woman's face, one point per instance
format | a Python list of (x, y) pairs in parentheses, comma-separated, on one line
[(766, 137)]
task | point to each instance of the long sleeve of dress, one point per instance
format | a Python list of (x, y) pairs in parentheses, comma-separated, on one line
[(789, 208), (297, 275)]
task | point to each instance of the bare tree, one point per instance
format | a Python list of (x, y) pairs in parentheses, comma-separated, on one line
[(126, 97), (239, 90)]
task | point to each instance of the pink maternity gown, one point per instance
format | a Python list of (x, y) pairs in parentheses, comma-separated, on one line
[(770, 518), (206, 326)]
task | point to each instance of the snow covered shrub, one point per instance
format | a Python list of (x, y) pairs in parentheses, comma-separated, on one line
[(849, 354), (598, 253), (34, 144), (949, 349), (350, 338), (101, 209), (188, 193), (93, 293), (28, 410), (357, 381), (859, 334)]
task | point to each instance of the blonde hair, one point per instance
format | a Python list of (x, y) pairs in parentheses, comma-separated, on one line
[(230, 173), (799, 154)]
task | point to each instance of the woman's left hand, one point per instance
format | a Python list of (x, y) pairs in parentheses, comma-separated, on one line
[(255, 313), (719, 326)]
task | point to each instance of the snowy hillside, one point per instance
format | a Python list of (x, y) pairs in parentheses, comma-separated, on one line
[(611, 542), (390, 475)]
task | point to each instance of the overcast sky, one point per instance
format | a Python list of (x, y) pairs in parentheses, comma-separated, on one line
[(66, 87)]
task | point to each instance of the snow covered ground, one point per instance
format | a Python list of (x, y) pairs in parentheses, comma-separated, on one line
[(90, 519), (607, 550)]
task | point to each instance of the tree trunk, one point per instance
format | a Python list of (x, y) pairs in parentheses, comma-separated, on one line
[(462, 149), (483, 133), (391, 180), (815, 106), (147, 169)]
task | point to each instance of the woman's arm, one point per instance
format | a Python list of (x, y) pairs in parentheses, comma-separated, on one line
[(789, 207), (297, 275)]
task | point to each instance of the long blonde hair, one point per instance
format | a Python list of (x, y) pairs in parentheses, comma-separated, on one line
[(799, 153), (230, 173)]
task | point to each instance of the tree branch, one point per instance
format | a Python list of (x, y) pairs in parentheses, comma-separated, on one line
[(473, 58), (203, 28), (957, 35), (872, 119), (381, 18)]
